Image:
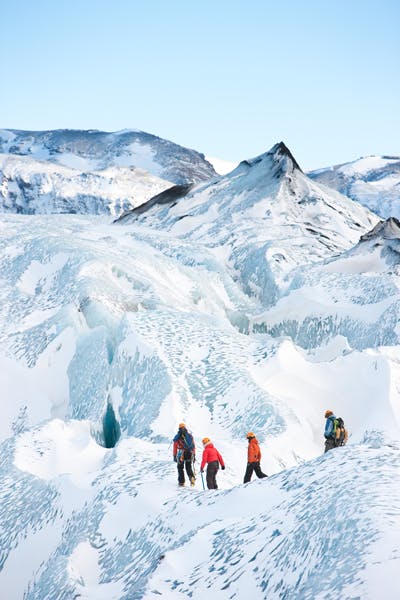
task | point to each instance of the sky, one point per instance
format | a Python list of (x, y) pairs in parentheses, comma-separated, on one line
[(225, 77)]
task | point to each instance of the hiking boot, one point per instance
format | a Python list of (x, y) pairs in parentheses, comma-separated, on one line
[(192, 481)]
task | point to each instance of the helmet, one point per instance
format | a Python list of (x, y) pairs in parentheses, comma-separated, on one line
[(181, 426), (205, 440), (328, 413), (250, 435)]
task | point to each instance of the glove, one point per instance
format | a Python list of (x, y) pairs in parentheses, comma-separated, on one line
[(223, 468), (201, 470), (175, 459)]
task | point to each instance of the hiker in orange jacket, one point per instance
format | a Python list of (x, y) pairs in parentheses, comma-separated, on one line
[(212, 457), (253, 458)]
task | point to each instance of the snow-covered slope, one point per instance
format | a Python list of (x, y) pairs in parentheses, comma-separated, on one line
[(299, 536), (30, 186), (112, 334), (374, 181), (126, 532)]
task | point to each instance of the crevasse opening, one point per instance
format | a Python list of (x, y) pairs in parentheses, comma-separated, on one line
[(111, 428)]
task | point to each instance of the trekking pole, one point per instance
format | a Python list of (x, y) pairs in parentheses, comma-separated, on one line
[(202, 480)]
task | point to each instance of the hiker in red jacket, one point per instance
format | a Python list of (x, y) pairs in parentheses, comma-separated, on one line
[(212, 457), (253, 458)]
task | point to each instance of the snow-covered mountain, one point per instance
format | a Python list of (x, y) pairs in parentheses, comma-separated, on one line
[(374, 181), (90, 172), (113, 333), (96, 150), (266, 217)]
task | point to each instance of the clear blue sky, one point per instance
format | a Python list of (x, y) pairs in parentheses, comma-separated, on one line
[(228, 78)]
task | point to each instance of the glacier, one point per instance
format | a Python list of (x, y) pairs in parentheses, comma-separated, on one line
[(254, 301)]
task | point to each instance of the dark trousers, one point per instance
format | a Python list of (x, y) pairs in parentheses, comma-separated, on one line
[(186, 462), (211, 475), (253, 466), (329, 444)]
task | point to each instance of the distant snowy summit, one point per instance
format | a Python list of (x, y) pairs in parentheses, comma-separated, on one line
[(91, 172), (96, 150), (374, 181)]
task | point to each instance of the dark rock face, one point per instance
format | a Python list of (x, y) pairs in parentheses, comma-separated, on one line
[(169, 196), (389, 230), (283, 150)]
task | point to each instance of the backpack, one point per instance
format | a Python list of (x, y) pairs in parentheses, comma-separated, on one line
[(340, 434), (188, 441)]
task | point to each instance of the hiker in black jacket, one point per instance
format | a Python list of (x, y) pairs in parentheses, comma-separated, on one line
[(184, 454)]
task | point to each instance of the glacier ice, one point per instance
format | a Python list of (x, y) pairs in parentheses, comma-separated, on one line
[(249, 304)]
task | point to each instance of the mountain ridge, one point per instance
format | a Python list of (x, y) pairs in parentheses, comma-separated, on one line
[(374, 181), (104, 149), (91, 172)]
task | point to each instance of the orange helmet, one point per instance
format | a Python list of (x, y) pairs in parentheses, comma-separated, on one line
[(328, 413), (205, 440), (181, 426), (250, 435)]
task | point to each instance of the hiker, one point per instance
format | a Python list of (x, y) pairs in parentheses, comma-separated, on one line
[(253, 459), (212, 457), (184, 452), (330, 441), (335, 432)]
